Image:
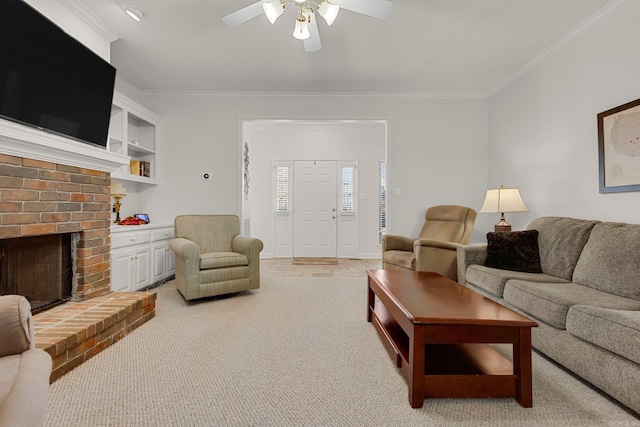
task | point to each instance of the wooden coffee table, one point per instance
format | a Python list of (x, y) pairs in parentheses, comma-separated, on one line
[(437, 332)]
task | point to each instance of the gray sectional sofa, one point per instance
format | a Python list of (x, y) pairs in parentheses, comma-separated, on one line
[(586, 300)]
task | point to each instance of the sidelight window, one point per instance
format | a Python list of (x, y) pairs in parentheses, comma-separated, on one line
[(282, 189)]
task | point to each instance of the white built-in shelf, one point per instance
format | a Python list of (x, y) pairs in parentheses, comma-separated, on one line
[(132, 132)]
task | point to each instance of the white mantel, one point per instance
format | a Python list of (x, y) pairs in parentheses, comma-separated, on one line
[(32, 143)]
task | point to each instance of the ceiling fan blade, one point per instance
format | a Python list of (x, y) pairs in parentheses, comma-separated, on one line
[(243, 15), (312, 44), (377, 8)]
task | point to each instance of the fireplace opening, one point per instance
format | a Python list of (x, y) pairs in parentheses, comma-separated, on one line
[(39, 268)]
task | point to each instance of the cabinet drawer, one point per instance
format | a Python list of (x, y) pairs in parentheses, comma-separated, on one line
[(120, 240), (163, 234)]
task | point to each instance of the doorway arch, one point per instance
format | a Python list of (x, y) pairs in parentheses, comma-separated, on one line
[(266, 142)]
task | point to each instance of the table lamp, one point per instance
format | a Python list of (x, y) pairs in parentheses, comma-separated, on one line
[(117, 192), (503, 200)]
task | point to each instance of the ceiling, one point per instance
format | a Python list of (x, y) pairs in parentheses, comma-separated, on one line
[(435, 47)]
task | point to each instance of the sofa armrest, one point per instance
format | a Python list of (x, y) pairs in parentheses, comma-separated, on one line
[(249, 246), (436, 255), (16, 327), (394, 242), (441, 244), (187, 260), (25, 404), (185, 248), (467, 255)]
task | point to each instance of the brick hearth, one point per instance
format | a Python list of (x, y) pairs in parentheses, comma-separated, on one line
[(74, 332)]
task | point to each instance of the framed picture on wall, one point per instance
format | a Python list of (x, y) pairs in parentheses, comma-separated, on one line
[(619, 148)]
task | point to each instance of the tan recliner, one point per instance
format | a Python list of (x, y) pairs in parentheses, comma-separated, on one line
[(445, 228), (212, 258)]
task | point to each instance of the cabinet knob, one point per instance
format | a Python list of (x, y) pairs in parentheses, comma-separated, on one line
[(133, 239)]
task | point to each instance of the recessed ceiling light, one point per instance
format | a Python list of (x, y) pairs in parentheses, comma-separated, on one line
[(135, 14)]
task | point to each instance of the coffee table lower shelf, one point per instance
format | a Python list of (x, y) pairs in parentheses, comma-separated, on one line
[(451, 370)]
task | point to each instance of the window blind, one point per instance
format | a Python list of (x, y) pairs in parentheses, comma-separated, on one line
[(282, 189), (347, 189)]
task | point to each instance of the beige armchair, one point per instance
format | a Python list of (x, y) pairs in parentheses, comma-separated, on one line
[(212, 258), (445, 228), (24, 369)]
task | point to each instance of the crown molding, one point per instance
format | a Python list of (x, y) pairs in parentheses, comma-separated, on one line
[(370, 95), (84, 13), (127, 88), (581, 29)]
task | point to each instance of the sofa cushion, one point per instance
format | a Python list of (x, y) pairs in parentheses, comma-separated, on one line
[(560, 241), (517, 251), (550, 302), (492, 280), (615, 330), (610, 259), (222, 260)]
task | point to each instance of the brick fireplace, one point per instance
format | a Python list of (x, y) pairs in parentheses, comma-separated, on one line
[(41, 198), (45, 198)]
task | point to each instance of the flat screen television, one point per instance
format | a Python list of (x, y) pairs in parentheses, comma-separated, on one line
[(51, 81)]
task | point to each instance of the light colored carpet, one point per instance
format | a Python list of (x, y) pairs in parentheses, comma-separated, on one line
[(294, 352)]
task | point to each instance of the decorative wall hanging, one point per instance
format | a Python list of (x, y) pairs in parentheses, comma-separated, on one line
[(246, 171), (619, 148)]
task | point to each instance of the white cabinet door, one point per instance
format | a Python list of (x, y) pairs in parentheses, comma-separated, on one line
[(171, 261), (141, 267), (140, 257), (121, 263), (164, 264), (164, 261), (159, 261)]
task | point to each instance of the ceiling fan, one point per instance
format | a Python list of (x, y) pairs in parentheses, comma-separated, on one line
[(306, 27)]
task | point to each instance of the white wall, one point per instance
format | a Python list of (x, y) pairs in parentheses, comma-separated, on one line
[(437, 150), (543, 128), (64, 18)]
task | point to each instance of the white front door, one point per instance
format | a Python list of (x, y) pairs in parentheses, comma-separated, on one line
[(314, 209)]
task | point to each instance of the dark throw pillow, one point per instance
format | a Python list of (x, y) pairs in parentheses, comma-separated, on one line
[(515, 250)]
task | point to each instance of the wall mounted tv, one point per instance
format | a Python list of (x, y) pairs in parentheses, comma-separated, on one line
[(51, 81)]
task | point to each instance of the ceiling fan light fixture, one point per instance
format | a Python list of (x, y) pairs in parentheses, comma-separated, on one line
[(135, 14), (306, 26), (328, 11), (273, 10), (301, 30)]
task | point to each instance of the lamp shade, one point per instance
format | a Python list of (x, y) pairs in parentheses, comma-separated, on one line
[(117, 189), (273, 10), (503, 200), (328, 11)]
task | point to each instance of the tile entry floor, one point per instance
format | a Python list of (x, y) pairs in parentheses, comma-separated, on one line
[(283, 267)]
